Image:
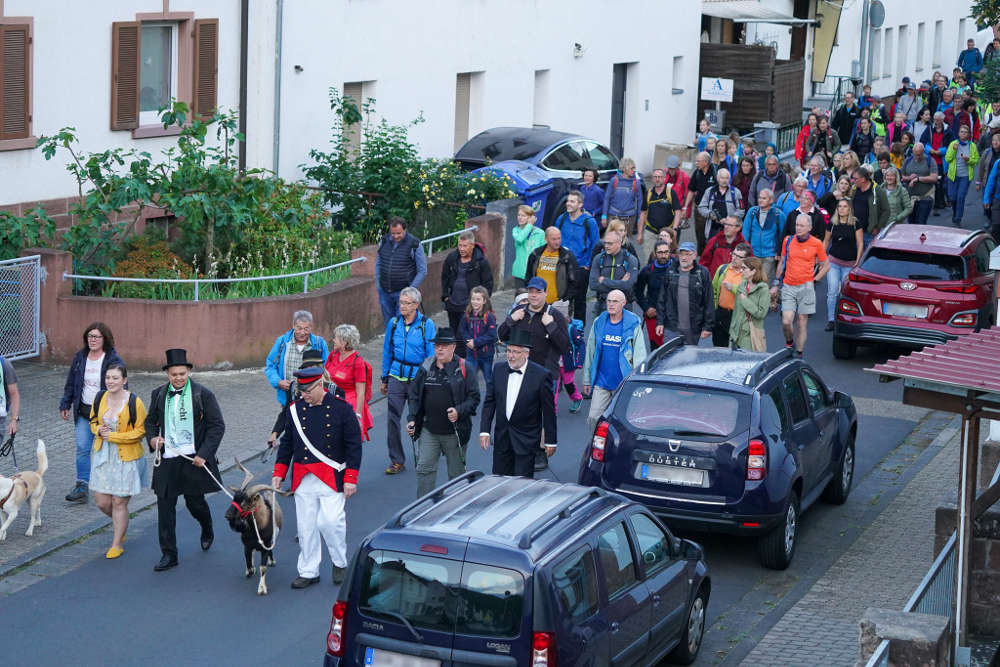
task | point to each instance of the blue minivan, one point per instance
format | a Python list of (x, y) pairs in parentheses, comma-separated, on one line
[(492, 570)]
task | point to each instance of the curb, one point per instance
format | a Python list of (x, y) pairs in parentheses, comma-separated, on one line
[(87, 530)]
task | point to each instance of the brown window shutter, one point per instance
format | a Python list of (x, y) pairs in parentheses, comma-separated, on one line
[(206, 67), (15, 87), (126, 39)]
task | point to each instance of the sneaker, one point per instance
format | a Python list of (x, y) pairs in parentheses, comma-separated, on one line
[(395, 469), (574, 407), (303, 582), (797, 354), (78, 494), (828, 327), (541, 461), (338, 574)]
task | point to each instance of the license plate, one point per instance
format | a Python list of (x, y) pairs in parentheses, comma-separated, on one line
[(672, 475), (378, 657), (904, 310)]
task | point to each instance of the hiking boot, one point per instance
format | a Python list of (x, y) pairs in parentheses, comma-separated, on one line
[(541, 460), (78, 494), (828, 327), (338, 574), (395, 469), (303, 582), (574, 407)]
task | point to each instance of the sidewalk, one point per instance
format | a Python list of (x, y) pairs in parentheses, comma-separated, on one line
[(248, 406)]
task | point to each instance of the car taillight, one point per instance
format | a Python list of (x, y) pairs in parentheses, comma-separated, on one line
[(858, 278), (335, 638), (848, 307), (756, 460), (543, 649), (600, 439), (964, 320), (959, 289)]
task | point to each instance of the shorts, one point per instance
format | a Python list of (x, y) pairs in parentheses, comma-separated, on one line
[(799, 298)]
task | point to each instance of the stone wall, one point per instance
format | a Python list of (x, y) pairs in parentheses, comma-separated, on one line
[(984, 565), (227, 333)]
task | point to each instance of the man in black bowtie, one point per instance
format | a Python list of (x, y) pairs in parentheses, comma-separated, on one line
[(523, 391)]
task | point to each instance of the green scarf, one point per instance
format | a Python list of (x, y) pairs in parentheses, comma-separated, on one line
[(178, 423)]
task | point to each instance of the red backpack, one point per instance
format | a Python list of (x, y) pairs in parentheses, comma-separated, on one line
[(368, 375)]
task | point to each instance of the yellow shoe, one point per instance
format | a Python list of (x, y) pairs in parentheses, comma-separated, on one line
[(114, 552)]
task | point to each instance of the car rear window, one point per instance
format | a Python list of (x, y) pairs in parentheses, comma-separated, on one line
[(684, 411), (442, 594), (913, 265)]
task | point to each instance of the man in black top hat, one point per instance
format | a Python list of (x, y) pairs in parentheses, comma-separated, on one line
[(443, 398), (521, 397), (184, 425)]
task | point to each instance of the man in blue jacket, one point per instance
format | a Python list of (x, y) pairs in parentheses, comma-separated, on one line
[(408, 341), (623, 197), (970, 60), (615, 346), (762, 230), (286, 354), (580, 235)]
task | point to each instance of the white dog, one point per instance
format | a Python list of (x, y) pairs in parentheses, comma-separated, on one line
[(24, 487)]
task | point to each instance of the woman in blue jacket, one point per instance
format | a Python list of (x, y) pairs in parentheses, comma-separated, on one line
[(84, 380)]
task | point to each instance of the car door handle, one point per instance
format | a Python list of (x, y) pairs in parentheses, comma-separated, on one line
[(615, 627), (656, 599)]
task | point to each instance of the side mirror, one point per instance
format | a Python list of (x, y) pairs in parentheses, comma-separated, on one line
[(691, 550)]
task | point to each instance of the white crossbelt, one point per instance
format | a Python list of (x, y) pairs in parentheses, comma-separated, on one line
[(339, 467)]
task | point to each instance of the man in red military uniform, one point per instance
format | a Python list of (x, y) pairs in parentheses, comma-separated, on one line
[(322, 443)]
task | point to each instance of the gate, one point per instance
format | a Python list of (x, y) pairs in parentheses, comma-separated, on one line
[(20, 284)]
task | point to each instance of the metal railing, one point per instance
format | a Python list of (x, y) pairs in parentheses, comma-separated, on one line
[(215, 281), (787, 134), (935, 593), (880, 658), (430, 242)]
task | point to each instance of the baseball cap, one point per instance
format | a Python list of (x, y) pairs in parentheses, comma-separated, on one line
[(673, 162), (906, 79), (689, 246), (538, 284)]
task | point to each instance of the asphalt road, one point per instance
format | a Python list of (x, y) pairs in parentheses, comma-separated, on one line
[(204, 611)]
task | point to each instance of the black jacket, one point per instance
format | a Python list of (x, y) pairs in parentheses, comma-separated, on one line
[(209, 427), (565, 269), (702, 306), (649, 284), (548, 342), (533, 411), (464, 395), (843, 121), (480, 273), (73, 390)]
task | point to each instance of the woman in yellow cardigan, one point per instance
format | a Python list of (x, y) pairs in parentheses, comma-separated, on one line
[(117, 466)]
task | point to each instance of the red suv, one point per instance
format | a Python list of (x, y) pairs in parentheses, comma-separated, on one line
[(917, 285)]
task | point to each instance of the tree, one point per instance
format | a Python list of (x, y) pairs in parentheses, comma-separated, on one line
[(986, 12)]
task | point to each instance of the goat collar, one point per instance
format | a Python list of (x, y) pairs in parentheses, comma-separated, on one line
[(239, 508)]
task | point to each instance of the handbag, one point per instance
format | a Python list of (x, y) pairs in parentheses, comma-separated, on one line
[(758, 341)]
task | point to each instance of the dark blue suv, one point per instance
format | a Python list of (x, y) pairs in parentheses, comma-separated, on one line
[(490, 570), (716, 439)]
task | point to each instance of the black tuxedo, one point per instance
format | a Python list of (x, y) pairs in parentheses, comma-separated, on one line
[(516, 440)]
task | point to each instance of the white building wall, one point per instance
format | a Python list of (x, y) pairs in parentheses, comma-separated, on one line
[(72, 84), (773, 34), (414, 50)]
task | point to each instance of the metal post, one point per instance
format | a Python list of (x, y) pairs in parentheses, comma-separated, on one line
[(195, 290), (964, 520), (864, 42), (305, 283), (430, 248)]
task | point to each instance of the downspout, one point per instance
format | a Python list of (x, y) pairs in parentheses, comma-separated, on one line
[(277, 81), (244, 45), (864, 42)]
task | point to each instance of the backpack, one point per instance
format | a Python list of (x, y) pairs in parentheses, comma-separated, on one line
[(635, 183), (131, 406), (427, 365), (392, 345), (368, 375), (559, 223), (577, 346)]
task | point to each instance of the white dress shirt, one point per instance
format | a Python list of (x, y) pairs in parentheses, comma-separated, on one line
[(514, 379)]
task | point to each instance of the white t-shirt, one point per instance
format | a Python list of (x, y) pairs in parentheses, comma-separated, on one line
[(92, 380)]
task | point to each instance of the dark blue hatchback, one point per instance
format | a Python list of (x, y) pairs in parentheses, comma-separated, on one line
[(716, 439), (490, 570)]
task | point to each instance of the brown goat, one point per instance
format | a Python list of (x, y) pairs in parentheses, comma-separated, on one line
[(252, 506)]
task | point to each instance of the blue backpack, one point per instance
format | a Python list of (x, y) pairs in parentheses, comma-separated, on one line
[(575, 355)]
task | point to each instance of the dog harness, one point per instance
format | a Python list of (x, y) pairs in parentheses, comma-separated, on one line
[(15, 479)]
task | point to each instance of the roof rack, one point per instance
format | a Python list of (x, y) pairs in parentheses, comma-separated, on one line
[(885, 230), (660, 352), (973, 234), (560, 511), (435, 496), (761, 370)]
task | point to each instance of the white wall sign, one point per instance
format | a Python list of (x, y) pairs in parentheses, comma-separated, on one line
[(716, 90)]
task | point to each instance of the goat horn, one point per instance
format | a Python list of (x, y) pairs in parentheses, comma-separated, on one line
[(247, 475)]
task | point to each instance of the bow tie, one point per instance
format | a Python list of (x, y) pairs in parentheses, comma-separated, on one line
[(175, 392), (514, 370)]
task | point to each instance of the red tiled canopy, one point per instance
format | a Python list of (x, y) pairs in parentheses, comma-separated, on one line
[(971, 362)]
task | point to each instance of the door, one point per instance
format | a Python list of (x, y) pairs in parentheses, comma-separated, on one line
[(825, 415), (619, 76), (666, 579), (803, 435), (20, 285), (582, 630), (627, 606)]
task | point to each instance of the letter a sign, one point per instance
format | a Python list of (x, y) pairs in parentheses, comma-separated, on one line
[(716, 90)]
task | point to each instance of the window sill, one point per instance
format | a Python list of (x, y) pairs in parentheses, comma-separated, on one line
[(22, 144), (918, 69), (150, 131)]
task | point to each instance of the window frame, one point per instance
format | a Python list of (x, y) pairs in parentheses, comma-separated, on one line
[(30, 140), (152, 118), (577, 557)]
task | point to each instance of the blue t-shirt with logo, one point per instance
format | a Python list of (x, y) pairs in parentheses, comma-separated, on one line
[(609, 372)]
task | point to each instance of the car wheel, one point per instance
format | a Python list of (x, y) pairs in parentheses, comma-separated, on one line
[(694, 631), (843, 348), (839, 487), (777, 547)]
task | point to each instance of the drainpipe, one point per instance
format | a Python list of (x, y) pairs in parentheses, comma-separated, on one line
[(244, 40), (864, 41), (277, 81)]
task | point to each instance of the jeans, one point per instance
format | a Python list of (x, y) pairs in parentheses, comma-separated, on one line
[(921, 211), (84, 445), (482, 364), (834, 277), (432, 446), (957, 190), (389, 301)]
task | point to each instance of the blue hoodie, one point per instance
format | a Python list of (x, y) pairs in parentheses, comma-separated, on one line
[(274, 368), (623, 196), (579, 236)]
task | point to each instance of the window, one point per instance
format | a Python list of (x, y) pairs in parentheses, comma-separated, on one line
[(678, 76), (913, 265), (158, 57), (938, 28), (887, 61), (615, 555), (814, 392), (597, 156), (576, 584), (567, 158), (490, 600), (542, 107), (468, 105), (678, 411), (773, 411), (653, 543), (792, 390), (983, 256), (359, 92), (961, 35), (904, 38), (875, 54), (919, 56), (15, 83)]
